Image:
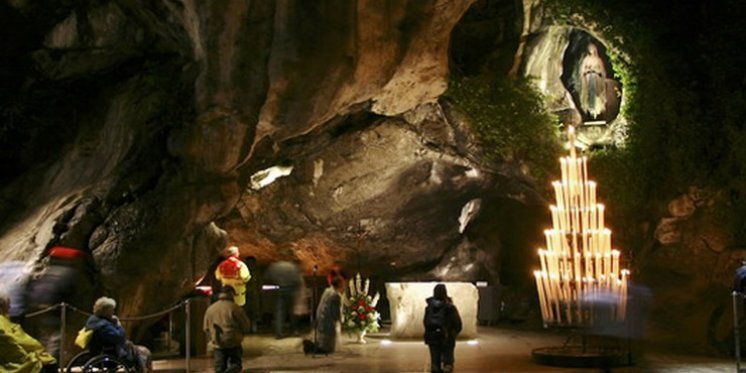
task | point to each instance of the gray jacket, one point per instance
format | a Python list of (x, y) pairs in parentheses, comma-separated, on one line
[(328, 315), (226, 323)]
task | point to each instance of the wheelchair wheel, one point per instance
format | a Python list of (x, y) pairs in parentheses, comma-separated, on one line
[(106, 363), (77, 362)]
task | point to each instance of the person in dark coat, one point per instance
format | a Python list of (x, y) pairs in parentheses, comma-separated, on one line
[(442, 325), (109, 336)]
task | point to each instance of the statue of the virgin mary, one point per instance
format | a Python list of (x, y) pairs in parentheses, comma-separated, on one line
[(592, 76)]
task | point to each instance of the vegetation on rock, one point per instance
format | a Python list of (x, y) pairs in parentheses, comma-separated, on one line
[(509, 117)]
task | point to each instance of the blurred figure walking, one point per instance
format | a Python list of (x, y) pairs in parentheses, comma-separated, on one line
[(300, 305), (68, 277), (288, 278), (234, 273), (226, 323), (442, 325)]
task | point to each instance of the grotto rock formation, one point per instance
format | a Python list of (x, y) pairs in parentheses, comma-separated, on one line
[(153, 114)]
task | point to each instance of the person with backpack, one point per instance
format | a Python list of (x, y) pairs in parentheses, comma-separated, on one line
[(442, 325)]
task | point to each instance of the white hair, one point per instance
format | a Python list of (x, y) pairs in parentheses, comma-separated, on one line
[(102, 305), (233, 250)]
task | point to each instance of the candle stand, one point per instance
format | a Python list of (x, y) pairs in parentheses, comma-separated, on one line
[(581, 284)]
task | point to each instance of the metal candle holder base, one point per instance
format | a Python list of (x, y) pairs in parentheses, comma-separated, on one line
[(580, 357), (590, 352)]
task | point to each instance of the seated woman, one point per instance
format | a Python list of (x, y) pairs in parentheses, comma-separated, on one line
[(109, 337), (19, 352)]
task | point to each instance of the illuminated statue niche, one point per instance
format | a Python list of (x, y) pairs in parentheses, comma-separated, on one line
[(579, 270)]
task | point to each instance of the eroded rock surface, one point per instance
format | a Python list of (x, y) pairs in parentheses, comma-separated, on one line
[(159, 109), (388, 195), (695, 251)]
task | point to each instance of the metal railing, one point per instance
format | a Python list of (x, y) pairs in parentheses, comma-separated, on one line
[(63, 325), (736, 329)]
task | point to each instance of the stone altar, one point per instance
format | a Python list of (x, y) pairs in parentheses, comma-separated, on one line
[(407, 304)]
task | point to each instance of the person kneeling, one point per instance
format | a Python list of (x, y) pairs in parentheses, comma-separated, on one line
[(108, 336), (19, 352), (328, 318), (226, 323)]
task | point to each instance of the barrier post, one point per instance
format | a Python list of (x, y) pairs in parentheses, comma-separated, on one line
[(188, 335), (170, 330), (736, 332), (63, 330)]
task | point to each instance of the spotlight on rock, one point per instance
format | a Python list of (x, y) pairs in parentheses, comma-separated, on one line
[(268, 176)]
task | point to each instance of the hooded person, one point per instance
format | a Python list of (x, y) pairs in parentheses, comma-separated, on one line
[(442, 325), (234, 273)]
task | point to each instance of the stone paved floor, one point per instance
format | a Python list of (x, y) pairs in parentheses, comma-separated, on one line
[(498, 350)]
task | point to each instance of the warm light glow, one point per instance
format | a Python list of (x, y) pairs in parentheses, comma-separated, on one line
[(268, 176), (472, 342), (578, 261), (385, 342)]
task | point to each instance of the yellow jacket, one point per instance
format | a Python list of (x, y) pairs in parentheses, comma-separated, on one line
[(19, 352), (235, 280)]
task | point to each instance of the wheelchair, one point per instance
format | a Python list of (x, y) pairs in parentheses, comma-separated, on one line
[(88, 362)]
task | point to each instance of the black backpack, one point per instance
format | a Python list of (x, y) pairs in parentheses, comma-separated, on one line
[(435, 324)]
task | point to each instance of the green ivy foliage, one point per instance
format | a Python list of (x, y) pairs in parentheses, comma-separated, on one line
[(682, 69), (509, 118)]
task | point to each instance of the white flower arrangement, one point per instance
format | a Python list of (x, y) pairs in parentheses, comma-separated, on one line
[(359, 308)]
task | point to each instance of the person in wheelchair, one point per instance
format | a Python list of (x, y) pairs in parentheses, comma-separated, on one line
[(109, 336)]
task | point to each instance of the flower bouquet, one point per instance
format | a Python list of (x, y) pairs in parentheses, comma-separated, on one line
[(360, 315)]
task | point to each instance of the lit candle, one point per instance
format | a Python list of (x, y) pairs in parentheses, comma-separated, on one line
[(585, 179), (623, 295), (543, 260), (558, 193), (592, 192), (542, 300), (555, 221), (607, 241)]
